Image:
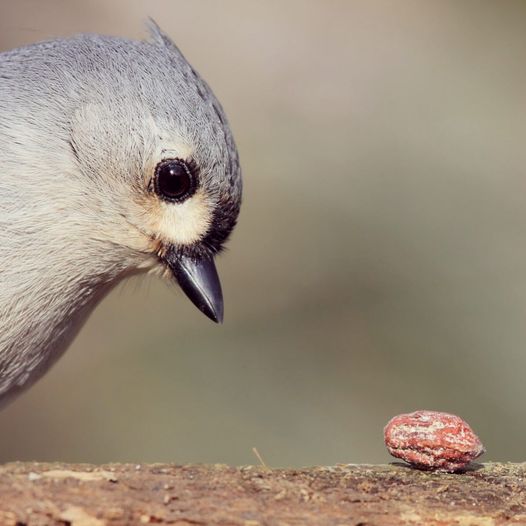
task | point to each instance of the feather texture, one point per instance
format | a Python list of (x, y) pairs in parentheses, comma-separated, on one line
[(83, 123)]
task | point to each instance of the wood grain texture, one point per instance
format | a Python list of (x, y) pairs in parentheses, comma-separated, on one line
[(359, 495)]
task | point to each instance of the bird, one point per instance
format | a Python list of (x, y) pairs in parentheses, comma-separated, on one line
[(116, 158)]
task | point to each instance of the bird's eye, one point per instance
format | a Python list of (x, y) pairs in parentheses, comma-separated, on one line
[(174, 180)]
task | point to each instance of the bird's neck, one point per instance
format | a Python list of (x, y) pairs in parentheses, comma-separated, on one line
[(47, 292)]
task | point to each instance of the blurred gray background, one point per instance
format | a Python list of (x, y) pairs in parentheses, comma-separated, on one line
[(379, 265)]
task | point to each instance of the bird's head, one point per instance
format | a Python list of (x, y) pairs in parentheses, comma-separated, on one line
[(163, 168)]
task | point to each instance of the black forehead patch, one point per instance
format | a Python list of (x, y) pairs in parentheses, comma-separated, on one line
[(223, 222)]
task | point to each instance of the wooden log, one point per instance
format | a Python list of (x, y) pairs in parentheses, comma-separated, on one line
[(359, 495)]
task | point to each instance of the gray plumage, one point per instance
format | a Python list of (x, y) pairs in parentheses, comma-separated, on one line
[(84, 122)]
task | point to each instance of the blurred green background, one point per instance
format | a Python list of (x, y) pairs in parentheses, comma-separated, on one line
[(379, 265)]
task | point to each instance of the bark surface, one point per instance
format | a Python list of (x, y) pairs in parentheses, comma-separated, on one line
[(359, 495)]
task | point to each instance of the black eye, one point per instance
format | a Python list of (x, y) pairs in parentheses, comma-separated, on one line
[(174, 180)]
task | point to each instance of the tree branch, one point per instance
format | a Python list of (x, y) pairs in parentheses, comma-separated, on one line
[(115, 494)]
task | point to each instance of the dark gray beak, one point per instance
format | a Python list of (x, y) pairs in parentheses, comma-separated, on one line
[(199, 280)]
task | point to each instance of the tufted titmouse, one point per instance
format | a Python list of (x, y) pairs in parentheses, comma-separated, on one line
[(115, 158)]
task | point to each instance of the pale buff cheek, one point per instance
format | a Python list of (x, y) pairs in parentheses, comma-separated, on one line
[(183, 223), (157, 223)]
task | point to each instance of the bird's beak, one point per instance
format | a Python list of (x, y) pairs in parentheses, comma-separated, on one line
[(199, 280)]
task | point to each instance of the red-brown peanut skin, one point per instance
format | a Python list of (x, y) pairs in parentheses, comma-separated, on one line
[(432, 440)]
